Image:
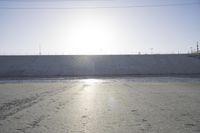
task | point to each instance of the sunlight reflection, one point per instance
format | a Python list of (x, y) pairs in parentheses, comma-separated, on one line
[(89, 94), (91, 81)]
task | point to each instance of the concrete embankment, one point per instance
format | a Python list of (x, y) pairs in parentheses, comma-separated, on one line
[(98, 65)]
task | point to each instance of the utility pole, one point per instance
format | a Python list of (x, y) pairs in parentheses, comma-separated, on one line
[(197, 47), (191, 50), (40, 53), (151, 50)]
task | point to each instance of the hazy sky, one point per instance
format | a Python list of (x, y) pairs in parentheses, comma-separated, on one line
[(70, 27)]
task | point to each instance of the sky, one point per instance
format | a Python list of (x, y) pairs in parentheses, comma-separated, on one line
[(99, 26)]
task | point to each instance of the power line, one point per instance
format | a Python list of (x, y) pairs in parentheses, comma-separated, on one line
[(50, 0), (101, 7)]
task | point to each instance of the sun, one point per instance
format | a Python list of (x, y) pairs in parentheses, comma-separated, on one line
[(90, 35)]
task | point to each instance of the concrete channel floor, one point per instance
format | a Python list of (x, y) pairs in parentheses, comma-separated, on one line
[(103, 105)]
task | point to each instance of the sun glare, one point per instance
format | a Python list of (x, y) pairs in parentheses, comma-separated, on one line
[(91, 81), (90, 35)]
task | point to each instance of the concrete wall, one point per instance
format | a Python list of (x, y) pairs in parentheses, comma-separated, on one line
[(76, 65)]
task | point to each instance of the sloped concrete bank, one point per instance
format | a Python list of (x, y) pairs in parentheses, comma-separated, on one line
[(98, 65)]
